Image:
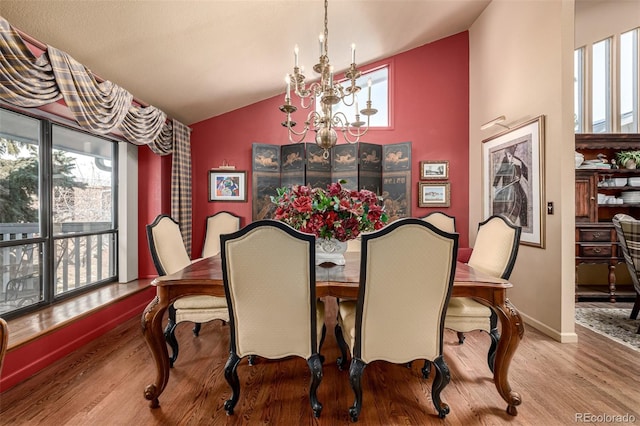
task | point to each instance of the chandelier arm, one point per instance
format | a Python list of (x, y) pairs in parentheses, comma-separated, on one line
[(302, 133), (345, 134), (292, 133), (361, 131)]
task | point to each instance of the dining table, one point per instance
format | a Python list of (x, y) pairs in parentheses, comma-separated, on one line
[(204, 277)]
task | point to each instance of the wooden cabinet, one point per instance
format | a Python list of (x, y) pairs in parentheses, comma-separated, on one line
[(598, 243), (586, 201), (599, 197)]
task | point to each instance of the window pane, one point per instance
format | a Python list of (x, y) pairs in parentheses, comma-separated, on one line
[(578, 92), (20, 260), (82, 204), (601, 87), (19, 170), (82, 182), (379, 98), (21, 270), (629, 82)]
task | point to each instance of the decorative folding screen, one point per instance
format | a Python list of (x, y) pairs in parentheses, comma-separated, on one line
[(383, 169)]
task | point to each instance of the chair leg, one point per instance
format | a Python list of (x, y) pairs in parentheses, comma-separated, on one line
[(324, 334), (355, 378), (315, 365), (426, 369), (231, 374), (460, 337), (170, 336), (442, 379), (495, 338), (196, 329), (636, 308), (342, 360)]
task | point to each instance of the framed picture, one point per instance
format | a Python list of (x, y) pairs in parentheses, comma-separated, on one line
[(434, 194), (227, 185), (513, 178), (434, 170)]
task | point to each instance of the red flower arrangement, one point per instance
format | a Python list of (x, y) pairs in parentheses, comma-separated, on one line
[(332, 213)]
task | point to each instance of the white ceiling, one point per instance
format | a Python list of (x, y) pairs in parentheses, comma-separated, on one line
[(199, 59)]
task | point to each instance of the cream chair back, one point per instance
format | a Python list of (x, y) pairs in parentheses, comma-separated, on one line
[(442, 221), (354, 245), (218, 224), (405, 284), (496, 247), (166, 245), (269, 278)]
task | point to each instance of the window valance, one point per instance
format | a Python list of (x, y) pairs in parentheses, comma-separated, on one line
[(98, 107)]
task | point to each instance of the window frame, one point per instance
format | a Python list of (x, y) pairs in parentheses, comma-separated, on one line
[(613, 113), (47, 240)]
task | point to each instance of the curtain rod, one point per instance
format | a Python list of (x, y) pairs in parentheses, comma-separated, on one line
[(40, 45)]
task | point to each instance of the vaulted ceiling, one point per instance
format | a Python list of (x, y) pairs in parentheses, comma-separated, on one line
[(199, 59)]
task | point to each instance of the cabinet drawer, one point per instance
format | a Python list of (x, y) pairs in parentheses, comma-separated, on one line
[(595, 235), (589, 250)]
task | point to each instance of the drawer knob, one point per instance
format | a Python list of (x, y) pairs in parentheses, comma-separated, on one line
[(596, 235), (596, 250)]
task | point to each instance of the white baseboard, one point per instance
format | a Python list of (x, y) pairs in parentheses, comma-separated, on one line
[(545, 329)]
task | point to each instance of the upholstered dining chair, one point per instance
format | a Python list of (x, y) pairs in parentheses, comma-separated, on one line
[(448, 223), (442, 221), (494, 253), (406, 277), (628, 231), (217, 224), (170, 255), (268, 270), (4, 341)]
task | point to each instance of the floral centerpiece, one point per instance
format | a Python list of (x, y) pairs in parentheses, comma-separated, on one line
[(332, 214)]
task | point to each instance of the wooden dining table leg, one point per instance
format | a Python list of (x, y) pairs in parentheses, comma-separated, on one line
[(152, 331), (512, 332)]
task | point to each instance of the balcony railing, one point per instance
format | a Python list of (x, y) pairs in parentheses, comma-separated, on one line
[(84, 254)]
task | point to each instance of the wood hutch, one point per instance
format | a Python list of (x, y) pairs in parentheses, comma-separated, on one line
[(596, 239)]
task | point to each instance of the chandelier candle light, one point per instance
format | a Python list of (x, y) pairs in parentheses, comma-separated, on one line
[(329, 94)]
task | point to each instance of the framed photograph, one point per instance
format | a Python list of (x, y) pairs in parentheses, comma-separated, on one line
[(513, 178), (227, 185), (434, 194), (434, 170)]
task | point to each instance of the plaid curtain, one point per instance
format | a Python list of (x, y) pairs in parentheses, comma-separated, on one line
[(25, 80), (181, 181), (101, 108)]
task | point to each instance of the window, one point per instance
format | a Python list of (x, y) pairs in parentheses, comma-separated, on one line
[(578, 88), (58, 231), (629, 82), (601, 87), (379, 98), (606, 85)]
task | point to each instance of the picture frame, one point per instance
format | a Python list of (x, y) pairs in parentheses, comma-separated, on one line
[(431, 194), (227, 185), (434, 170), (513, 178)]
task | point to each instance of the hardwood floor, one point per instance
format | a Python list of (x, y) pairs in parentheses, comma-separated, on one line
[(103, 382)]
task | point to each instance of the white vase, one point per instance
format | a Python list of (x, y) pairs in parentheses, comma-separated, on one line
[(330, 251)]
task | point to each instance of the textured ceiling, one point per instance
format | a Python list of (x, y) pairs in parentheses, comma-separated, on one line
[(199, 59)]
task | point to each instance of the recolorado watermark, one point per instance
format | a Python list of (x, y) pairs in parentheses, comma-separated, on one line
[(604, 418)]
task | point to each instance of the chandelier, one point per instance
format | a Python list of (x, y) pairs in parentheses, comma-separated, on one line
[(328, 93)]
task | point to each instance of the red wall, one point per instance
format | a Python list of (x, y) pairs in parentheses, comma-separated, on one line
[(429, 95), (154, 198)]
